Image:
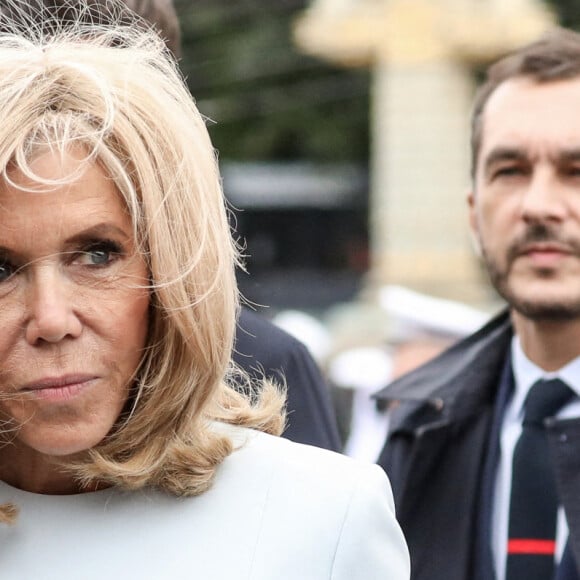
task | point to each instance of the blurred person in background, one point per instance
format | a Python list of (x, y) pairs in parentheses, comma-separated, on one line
[(484, 448), (419, 328), (261, 348), (126, 451)]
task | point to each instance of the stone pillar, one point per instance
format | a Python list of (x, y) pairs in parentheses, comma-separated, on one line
[(420, 179)]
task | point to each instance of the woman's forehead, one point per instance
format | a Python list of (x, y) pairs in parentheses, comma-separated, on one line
[(69, 176), (37, 219)]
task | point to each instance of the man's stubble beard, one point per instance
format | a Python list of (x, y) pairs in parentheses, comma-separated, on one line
[(534, 309)]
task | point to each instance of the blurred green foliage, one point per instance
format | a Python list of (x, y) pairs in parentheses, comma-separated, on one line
[(265, 99), (567, 11)]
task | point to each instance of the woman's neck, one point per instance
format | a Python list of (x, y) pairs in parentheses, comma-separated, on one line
[(34, 472)]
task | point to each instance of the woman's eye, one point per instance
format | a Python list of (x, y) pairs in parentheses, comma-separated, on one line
[(99, 254), (99, 257), (6, 270)]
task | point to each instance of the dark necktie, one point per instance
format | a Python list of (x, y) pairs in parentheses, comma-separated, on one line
[(533, 498)]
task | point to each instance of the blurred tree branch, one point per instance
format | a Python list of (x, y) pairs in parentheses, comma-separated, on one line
[(568, 12), (267, 100)]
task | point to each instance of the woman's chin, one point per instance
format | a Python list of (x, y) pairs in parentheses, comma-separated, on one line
[(61, 443)]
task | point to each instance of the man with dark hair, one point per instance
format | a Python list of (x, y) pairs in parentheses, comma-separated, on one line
[(484, 447)]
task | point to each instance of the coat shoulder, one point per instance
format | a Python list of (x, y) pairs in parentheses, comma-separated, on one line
[(289, 460), (337, 513)]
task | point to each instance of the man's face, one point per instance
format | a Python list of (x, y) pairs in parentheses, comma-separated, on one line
[(525, 207)]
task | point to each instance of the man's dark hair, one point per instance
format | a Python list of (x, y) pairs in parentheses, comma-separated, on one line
[(163, 16), (45, 15), (554, 57)]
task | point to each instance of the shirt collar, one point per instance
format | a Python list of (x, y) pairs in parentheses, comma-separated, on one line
[(526, 373)]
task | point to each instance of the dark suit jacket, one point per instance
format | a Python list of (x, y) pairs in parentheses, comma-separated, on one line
[(435, 456), (263, 347), (568, 569)]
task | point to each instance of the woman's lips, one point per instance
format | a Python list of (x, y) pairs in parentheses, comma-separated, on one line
[(56, 389)]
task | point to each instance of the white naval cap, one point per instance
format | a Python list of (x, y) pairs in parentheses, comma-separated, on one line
[(413, 314)]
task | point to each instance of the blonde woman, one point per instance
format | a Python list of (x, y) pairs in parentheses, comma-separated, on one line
[(126, 454)]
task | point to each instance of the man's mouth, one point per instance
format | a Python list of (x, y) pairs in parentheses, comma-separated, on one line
[(545, 254)]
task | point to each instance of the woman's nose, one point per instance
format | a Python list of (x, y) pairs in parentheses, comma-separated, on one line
[(52, 316)]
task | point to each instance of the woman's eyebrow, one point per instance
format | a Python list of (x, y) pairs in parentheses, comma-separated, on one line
[(9, 254), (101, 230)]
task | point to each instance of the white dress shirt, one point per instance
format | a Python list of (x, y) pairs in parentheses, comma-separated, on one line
[(526, 373)]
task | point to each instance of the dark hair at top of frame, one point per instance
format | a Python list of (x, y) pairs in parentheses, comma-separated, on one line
[(43, 18), (555, 56), (163, 16), (46, 16)]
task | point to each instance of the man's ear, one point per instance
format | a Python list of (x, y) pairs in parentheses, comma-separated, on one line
[(473, 225)]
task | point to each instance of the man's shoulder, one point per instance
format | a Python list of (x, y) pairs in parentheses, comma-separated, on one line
[(259, 340), (264, 349)]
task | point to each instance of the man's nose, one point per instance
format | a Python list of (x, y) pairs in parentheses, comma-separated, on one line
[(544, 198), (51, 316)]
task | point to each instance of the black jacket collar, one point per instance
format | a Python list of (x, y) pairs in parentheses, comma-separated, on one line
[(458, 380)]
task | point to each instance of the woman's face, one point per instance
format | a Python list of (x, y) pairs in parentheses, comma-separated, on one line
[(73, 309)]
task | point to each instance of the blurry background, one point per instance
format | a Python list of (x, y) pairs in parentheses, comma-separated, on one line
[(293, 137), (342, 131)]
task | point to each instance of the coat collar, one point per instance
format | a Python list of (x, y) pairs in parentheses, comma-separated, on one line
[(462, 377)]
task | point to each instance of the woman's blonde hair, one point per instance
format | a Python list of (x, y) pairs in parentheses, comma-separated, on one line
[(113, 89)]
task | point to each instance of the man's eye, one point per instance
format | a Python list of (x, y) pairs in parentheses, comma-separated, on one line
[(573, 171), (507, 171)]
